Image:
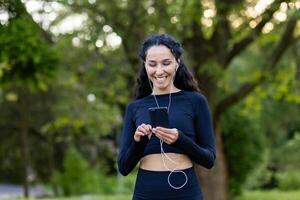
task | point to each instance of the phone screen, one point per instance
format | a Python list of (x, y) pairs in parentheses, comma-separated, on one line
[(159, 117)]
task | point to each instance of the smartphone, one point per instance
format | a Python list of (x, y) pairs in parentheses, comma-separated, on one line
[(159, 117)]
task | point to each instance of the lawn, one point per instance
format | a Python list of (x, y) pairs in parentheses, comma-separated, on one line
[(270, 195), (253, 195), (109, 197)]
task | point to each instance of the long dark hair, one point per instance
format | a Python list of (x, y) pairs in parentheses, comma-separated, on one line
[(184, 79)]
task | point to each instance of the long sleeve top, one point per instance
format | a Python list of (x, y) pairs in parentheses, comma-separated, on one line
[(189, 113)]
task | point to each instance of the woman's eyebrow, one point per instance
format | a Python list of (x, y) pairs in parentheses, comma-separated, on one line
[(166, 59)]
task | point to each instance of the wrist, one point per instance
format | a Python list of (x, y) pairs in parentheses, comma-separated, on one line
[(177, 133)]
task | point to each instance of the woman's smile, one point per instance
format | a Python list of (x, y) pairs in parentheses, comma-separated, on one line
[(160, 66), (161, 78)]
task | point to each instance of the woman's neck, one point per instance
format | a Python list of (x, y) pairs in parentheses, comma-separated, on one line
[(167, 91)]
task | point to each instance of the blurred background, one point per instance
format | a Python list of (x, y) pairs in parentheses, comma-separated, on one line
[(67, 72)]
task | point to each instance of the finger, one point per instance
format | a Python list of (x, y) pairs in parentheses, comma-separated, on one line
[(167, 136), (139, 133), (158, 133), (166, 130), (148, 128), (159, 136), (164, 134), (164, 139), (168, 141), (142, 129)]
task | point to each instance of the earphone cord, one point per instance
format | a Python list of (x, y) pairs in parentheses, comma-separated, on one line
[(163, 152)]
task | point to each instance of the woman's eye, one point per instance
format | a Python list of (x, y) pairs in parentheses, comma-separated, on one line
[(155, 64)]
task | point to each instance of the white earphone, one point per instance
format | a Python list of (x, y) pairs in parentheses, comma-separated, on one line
[(177, 65)]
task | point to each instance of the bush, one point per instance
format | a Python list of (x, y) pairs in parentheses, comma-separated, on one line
[(243, 145), (291, 148), (126, 183), (289, 180), (77, 176)]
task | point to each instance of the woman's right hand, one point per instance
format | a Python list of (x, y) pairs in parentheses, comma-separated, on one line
[(142, 130)]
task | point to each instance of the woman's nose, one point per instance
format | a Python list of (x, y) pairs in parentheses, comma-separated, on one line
[(159, 69)]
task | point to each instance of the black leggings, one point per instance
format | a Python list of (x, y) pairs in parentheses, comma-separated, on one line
[(153, 185)]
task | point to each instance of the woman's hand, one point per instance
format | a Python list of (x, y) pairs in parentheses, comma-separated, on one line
[(167, 135), (142, 130)]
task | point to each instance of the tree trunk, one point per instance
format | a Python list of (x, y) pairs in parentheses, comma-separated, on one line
[(24, 142), (52, 166), (214, 182)]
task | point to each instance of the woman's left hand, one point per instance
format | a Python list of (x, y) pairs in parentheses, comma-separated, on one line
[(169, 136)]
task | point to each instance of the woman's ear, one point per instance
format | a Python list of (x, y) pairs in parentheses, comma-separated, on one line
[(177, 64)]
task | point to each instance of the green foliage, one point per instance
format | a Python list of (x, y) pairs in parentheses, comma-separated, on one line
[(294, 13), (289, 180), (77, 176), (126, 183), (244, 146), (87, 104), (269, 195), (279, 120), (290, 148), (287, 160), (25, 57), (285, 84)]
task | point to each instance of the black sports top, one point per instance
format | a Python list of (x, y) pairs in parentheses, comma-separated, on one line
[(189, 113)]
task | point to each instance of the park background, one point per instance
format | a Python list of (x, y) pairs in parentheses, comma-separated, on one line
[(67, 72)]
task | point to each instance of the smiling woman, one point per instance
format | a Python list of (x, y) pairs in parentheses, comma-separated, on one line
[(161, 67), (166, 154)]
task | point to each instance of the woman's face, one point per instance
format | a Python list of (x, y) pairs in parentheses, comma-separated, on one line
[(161, 67)]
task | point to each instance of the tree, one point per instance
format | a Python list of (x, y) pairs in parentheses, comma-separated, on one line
[(214, 34), (27, 62)]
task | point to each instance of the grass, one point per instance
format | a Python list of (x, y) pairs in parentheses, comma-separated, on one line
[(87, 197), (251, 195), (270, 195)]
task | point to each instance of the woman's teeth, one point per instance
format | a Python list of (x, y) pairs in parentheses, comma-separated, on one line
[(161, 78)]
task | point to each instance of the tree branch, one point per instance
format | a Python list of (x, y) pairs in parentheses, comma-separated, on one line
[(221, 35), (282, 45), (134, 34), (297, 59), (239, 46), (270, 63), (196, 43), (24, 13)]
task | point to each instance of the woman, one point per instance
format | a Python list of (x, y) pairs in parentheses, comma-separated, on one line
[(166, 155)]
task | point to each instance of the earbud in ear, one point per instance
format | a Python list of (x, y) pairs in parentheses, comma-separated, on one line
[(176, 67)]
